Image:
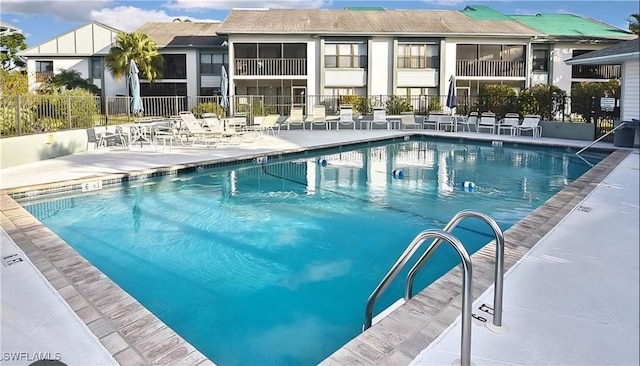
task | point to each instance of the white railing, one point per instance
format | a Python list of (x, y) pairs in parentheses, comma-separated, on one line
[(271, 66), (493, 68)]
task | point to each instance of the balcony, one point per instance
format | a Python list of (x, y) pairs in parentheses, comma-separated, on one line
[(271, 66), (596, 72), (493, 68), (43, 76)]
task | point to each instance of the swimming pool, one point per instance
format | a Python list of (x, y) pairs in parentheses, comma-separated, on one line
[(272, 263)]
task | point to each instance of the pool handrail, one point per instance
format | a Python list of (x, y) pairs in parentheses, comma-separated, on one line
[(498, 269), (467, 275)]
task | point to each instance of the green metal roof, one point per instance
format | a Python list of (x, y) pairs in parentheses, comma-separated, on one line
[(483, 12), (570, 25), (559, 25)]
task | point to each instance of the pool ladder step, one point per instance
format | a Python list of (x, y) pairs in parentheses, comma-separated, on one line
[(438, 237)]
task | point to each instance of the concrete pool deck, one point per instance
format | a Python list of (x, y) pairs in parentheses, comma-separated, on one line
[(113, 329)]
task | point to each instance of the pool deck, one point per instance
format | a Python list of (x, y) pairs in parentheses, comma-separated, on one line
[(54, 301)]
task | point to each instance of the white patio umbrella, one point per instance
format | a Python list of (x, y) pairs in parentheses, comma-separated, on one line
[(224, 89), (134, 84)]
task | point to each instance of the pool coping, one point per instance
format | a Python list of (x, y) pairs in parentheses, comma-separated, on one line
[(111, 313)]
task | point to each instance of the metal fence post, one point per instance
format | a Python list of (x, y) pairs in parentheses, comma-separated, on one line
[(18, 116), (69, 110)]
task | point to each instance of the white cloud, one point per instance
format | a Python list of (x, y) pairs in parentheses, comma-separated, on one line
[(228, 4), (129, 18), (66, 10)]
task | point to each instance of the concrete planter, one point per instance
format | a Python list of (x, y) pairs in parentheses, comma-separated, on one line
[(568, 130)]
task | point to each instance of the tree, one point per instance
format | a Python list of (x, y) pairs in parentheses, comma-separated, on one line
[(10, 45), (139, 48), (72, 79), (13, 83), (634, 23)]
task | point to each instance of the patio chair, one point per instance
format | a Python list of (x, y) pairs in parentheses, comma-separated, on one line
[(468, 122), (379, 118), (296, 117), (409, 119), (267, 124), (346, 116), (530, 123), (487, 121), (192, 128), (509, 123), (319, 117), (430, 120)]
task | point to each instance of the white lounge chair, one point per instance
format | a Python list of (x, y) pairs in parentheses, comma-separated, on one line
[(509, 123), (192, 128), (488, 122), (267, 124), (296, 118), (468, 122), (379, 118), (319, 117), (346, 116), (531, 123), (409, 120)]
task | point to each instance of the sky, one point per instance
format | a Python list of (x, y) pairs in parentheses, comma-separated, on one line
[(41, 20)]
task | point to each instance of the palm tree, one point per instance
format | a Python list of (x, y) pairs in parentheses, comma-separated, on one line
[(634, 23), (139, 48)]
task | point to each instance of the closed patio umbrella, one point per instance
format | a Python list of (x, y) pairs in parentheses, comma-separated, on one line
[(224, 89), (134, 84), (452, 100)]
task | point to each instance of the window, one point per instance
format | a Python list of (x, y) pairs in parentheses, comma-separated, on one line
[(541, 60), (490, 52), (44, 71), (96, 68), (345, 55), (175, 67), (44, 66), (211, 63), (418, 56)]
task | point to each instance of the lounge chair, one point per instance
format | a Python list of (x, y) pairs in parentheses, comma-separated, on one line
[(267, 124), (468, 122), (530, 123), (192, 128), (346, 116), (487, 121), (509, 123), (296, 117), (319, 117), (409, 119), (379, 118)]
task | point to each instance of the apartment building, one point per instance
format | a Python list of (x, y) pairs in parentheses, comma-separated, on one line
[(307, 56), (82, 49)]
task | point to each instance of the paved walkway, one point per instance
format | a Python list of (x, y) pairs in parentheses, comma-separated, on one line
[(53, 319)]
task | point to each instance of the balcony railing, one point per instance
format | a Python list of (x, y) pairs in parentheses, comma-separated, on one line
[(271, 66), (493, 68), (596, 72), (43, 76)]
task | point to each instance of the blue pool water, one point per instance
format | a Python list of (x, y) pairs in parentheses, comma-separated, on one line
[(272, 263)]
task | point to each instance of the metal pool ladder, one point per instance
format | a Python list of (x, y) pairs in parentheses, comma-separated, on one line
[(440, 236)]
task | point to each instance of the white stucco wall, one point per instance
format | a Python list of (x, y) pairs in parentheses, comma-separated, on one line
[(380, 53), (630, 99), (560, 74)]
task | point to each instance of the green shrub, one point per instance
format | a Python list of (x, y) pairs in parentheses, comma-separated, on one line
[(497, 98), (585, 95), (397, 105), (542, 99), (208, 107), (361, 104), (75, 108), (257, 108)]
